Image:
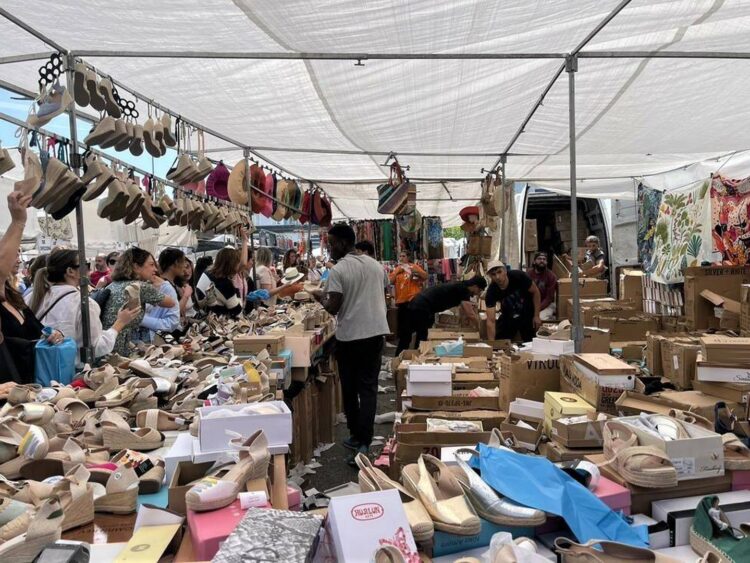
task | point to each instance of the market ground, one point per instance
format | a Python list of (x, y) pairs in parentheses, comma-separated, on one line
[(334, 470)]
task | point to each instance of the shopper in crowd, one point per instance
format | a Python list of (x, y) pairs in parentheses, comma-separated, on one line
[(136, 267), (313, 273), (265, 274), (290, 259), (36, 264), (240, 278), (19, 329), (56, 302), (106, 279), (546, 281), (520, 304), (201, 265), (439, 298), (100, 269), (165, 319), (216, 290), (354, 293), (186, 293), (408, 279)]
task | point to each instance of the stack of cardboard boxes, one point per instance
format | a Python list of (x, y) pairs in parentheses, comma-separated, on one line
[(563, 225)]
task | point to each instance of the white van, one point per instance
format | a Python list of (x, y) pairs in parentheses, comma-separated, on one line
[(613, 221)]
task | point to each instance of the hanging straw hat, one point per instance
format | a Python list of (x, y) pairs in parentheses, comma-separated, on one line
[(236, 184)]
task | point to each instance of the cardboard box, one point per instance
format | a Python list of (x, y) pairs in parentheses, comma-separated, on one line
[(588, 288), (181, 450), (558, 405), (631, 351), (438, 334), (301, 346), (552, 347), (556, 452), (209, 529), (527, 438), (599, 390), (444, 543), (256, 343), (631, 286), (531, 238), (489, 419), (632, 403), (182, 479), (653, 353), (723, 280), (527, 376), (429, 380), (721, 373), (614, 495), (678, 356), (585, 434), (733, 392), (679, 513), (277, 427), (591, 308), (456, 402), (412, 440), (745, 309), (370, 518), (697, 457), (627, 328), (641, 498), (658, 532), (721, 349)]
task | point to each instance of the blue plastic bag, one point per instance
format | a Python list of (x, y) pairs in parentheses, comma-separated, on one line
[(55, 362), (538, 483)]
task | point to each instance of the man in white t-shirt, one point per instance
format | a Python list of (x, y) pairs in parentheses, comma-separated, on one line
[(354, 293)]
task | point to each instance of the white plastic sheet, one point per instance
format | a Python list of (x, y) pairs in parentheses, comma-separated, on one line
[(635, 117)]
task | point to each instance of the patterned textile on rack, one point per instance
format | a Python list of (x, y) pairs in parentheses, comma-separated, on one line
[(432, 237), (682, 236), (386, 240), (730, 219), (649, 201)]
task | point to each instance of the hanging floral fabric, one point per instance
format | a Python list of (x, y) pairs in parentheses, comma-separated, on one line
[(730, 219), (432, 237), (682, 235), (649, 201)]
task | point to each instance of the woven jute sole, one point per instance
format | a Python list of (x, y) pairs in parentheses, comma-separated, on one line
[(702, 546)]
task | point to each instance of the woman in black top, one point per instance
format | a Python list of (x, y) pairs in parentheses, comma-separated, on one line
[(216, 289), (21, 330)]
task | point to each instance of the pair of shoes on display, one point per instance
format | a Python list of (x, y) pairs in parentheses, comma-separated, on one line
[(120, 134), (58, 189), (88, 90), (205, 216), (187, 171)]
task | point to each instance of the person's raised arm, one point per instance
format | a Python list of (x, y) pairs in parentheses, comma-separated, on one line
[(11, 240), (537, 298)]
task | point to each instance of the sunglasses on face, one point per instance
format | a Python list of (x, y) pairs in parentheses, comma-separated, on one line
[(111, 262)]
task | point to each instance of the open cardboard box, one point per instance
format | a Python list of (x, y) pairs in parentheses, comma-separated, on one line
[(584, 434), (699, 456), (212, 435), (526, 437)]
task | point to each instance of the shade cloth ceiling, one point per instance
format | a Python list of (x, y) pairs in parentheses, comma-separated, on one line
[(635, 116)]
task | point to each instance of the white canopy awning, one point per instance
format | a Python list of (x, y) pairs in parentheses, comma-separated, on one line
[(266, 74)]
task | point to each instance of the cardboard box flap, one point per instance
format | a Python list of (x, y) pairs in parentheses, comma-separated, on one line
[(604, 364), (720, 301)]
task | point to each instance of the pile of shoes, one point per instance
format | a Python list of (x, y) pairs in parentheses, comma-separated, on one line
[(125, 134), (82, 446), (187, 171), (88, 90), (204, 215)]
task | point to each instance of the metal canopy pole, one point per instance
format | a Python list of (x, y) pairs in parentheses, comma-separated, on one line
[(309, 225), (571, 67), (503, 225), (248, 190), (87, 353)]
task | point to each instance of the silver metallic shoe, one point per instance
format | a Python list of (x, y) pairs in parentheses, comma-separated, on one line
[(487, 502)]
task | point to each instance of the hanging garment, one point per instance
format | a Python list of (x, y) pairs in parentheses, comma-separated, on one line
[(649, 201), (730, 219), (536, 482), (432, 236)]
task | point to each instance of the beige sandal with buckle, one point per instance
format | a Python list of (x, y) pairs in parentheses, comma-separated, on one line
[(644, 466), (736, 454), (610, 552), (117, 435)]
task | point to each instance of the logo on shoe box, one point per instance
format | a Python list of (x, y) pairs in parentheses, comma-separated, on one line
[(367, 511)]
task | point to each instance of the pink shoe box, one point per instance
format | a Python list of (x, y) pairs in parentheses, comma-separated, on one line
[(740, 480), (613, 495), (383, 463), (294, 496), (209, 529)]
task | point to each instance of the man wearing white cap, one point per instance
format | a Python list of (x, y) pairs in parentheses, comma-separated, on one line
[(519, 300)]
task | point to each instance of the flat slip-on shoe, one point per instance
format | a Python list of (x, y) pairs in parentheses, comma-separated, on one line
[(169, 139), (119, 135), (644, 466), (96, 100), (44, 529), (220, 490), (487, 502), (149, 141), (106, 91), (136, 144), (433, 483), (80, 92), (372, 479), (31, 413), (124, 143), (97, 188), (103, 131)]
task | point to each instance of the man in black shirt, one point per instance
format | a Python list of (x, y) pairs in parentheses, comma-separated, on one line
[(439, 298), (519, 300)]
